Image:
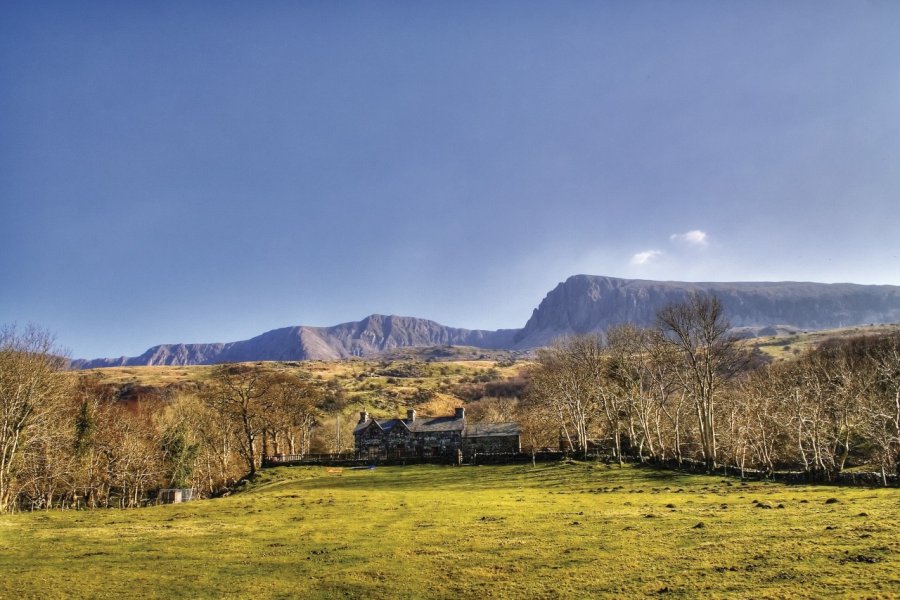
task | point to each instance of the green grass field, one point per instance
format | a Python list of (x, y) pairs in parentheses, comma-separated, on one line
[(554, 531)]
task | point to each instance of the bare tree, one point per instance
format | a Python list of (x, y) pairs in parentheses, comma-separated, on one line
[(93, 406), (709, 356), (130, 447), (538, 422), (47, 466), (884, 406), (569, 377), (765, 417), (29, 383), (491, 409), (239, 394), (180, 449), (630, 371), (293, 411), (669, 399), (216, 438)]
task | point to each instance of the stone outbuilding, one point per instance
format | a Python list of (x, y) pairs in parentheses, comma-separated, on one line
[(432, 437), (492, 437)]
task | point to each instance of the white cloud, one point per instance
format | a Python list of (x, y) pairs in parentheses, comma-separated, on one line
[(642, 258), (694, 238)]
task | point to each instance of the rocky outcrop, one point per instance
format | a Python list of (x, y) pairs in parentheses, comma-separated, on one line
[(588, 303)]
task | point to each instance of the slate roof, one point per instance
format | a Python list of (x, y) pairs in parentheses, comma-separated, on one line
[(384, 425), (420, 425), (434, 424), (423, 424), (492, 429)]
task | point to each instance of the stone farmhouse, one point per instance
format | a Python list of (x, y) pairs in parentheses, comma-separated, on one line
[(447, 437)]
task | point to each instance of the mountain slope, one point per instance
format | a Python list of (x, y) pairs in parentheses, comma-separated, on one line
[(368, 337), (585, 303), (581, 304)]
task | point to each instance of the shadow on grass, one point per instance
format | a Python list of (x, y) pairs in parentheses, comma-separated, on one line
[(564, 476)]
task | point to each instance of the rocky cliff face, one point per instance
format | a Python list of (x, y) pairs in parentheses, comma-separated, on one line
[(581, 304), (587, 303), (368, 337)]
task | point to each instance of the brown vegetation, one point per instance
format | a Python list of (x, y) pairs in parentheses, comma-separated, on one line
[(686, 389)]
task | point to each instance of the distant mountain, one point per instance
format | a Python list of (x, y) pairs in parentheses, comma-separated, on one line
[(581, 304), (371, 336), (586, 303)]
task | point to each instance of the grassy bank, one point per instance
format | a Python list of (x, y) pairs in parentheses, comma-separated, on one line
[(560, 530)]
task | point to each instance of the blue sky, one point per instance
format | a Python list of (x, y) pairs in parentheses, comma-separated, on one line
[(196, 172)]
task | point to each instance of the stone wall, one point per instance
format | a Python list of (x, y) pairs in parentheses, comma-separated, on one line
[(493, 443), (370, 442), (399, 442)]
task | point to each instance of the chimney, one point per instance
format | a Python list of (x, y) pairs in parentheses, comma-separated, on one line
[(460, 413), (411, 415), (363, 417)]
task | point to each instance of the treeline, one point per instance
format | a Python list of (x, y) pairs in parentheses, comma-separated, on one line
[(687, 389), (70, 442), (682, 390)]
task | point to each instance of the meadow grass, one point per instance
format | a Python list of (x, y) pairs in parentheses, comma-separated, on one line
[(552, 531)]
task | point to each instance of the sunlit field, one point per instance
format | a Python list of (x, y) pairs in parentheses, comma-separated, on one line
[(555, 530)]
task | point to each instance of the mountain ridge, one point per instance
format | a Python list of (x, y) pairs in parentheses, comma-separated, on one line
[(367, 337), (580, 304), (585, 303)]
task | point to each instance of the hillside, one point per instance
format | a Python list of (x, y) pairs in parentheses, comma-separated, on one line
[(384, 387), (581, 304), (432, 379), (790, 344)]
